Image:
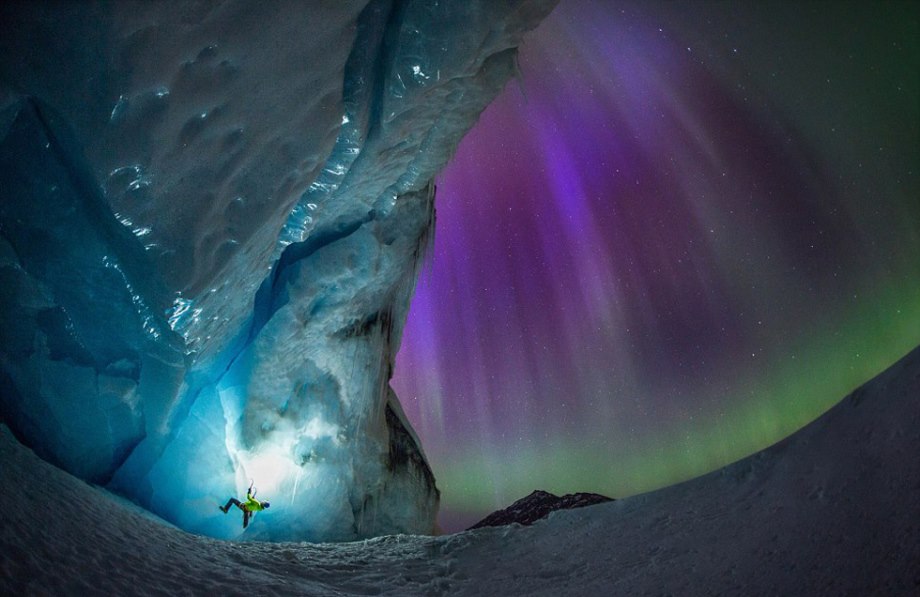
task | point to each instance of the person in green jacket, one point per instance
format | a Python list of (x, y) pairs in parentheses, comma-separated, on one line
[(249, 507)]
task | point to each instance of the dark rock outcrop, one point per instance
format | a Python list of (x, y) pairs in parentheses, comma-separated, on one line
[(536, 506)]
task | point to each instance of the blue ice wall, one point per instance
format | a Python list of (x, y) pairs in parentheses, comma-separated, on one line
[(77, 324), (205, 285)]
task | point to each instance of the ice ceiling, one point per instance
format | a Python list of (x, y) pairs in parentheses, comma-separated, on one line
[(211, 224)]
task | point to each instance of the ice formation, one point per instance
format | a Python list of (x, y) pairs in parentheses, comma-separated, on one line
[(211, 224)]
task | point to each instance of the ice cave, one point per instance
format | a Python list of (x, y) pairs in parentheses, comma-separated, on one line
[(667, 255), (207, 278)]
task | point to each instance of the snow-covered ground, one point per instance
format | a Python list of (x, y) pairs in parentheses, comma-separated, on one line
[(834, 509)]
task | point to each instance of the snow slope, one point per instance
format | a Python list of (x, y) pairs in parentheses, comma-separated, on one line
[(833, 509)]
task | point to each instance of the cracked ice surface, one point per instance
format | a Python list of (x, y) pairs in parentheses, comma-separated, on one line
[(213, 220)]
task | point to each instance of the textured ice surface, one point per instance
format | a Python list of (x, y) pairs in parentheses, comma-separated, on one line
[(212, 221), (76, 326)]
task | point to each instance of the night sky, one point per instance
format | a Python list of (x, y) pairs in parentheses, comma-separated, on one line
[(685, 232)]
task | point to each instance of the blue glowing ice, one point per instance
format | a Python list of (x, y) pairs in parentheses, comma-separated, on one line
[(206, 257)]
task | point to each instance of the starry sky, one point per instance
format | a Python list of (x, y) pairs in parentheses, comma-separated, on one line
[(684, 232)]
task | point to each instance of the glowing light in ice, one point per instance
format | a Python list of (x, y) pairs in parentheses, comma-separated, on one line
[(270, 469)]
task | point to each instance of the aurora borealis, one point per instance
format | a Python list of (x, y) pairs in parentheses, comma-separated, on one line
[(683, 234)]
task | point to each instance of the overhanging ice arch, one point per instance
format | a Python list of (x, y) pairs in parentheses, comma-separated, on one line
[(212, 234)]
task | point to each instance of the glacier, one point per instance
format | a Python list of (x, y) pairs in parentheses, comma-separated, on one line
[(212, 222)]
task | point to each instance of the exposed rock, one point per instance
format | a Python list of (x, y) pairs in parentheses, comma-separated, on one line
[(538, 505)]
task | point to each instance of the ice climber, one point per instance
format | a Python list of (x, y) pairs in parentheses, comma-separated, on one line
[(249, 507)]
